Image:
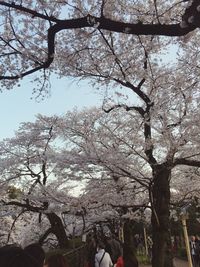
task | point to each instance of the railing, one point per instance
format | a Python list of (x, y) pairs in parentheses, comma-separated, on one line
[(76, 257)]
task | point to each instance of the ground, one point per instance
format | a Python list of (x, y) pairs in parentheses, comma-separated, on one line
[(177, 263)]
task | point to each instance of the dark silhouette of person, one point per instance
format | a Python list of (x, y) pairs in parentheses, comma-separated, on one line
[(197, 241), (36, 251), (113, 247), (194, 250), (92, 249), (56, 260), (129, 257), (13, 256)]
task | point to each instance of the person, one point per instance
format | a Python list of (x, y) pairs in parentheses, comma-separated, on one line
[(194, 250), (113, 247), (102, 258), (13, 256), (36, 251), (197, 241), (56, 260), (91, 252), (120, 262), (129, 257)]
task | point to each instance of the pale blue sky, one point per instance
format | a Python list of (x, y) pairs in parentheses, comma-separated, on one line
[(16, 105)]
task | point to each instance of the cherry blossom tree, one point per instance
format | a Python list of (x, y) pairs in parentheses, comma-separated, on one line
[(145, 145), (109, 202), (53, 36), (27, 161), (109, 153), (119, 44), (31, 176), (36, 161)]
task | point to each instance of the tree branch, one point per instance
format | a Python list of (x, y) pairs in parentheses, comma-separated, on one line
[(127, 108), (103, 23), (188, 162), (29, 11), (27, 206)]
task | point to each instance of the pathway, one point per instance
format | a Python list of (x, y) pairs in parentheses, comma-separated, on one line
[(177, 263)]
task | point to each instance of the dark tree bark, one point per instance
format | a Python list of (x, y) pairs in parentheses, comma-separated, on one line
[(161, 251), (57, 229), (129, 249), (103, 23), (44, 236)]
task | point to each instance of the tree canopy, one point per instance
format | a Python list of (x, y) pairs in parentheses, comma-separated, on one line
[(67, 36), (103, 151), (120, 45)]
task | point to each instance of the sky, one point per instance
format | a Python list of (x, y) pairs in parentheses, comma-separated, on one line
[(16, 105)]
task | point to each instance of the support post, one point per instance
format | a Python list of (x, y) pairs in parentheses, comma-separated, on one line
[(187, 244), (145, 242), (121, 233)]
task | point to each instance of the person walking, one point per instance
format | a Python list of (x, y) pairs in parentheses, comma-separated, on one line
[(129, 257), (102, 258), (194, 250), (36, 251), (56, 260), (91, 251), (113, 247), (13, 256)]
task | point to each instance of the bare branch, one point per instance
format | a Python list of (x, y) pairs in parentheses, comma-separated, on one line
[(127, 108)]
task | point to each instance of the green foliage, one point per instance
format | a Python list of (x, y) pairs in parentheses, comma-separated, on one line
[(75, 256), (75, 242), (14, 192), (143, 259), (181, 253)]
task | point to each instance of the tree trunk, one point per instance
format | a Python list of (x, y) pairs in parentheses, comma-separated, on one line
[(161, 250), (44, 236), (129, 249), (57, 229)]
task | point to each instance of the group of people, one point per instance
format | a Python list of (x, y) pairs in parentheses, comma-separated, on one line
[(100, 254), (31, 256), (109, 253), (195, 250)]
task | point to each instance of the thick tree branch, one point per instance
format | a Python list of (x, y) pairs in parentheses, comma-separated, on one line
[(45, 235), (26, 206), (29, 11), (103, 23), (118, 26), (188, 162), (127, 108)]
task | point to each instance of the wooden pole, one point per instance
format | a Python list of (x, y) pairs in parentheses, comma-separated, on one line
[(187, 244), (145, 241), (121, 233)]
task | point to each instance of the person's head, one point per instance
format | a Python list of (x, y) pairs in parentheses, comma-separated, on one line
[(56, 260), (108, 235), (100, 245), (13, 256), (36, 251), (197, 238)]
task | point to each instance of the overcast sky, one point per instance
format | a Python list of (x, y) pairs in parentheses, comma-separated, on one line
[(17, 106)]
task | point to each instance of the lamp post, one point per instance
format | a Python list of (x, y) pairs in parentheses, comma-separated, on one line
[(184, 217)]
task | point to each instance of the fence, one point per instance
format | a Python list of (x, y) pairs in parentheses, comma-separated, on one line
[(76, 257)]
